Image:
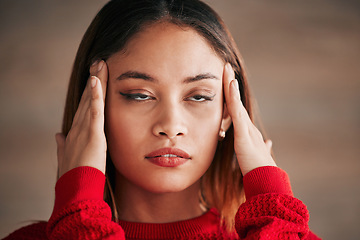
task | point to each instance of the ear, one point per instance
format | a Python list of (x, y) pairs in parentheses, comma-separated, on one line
[(226, 119)]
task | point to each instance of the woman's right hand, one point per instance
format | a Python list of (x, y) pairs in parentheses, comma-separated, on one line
[(85, 144)]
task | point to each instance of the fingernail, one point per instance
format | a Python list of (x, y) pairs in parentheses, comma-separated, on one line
[(235, 89), (100, 65), (235, 84), (93, 81), (94, 63), (229, 67)]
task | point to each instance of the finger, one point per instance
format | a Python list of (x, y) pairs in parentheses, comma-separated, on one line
[(83, 104), (227, 77), (100, 70), (99, 76), (268, 144), (60, 143), (96, 106), (95, 70), (233, 102)]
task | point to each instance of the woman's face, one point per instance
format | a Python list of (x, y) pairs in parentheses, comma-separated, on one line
[(164, 95)]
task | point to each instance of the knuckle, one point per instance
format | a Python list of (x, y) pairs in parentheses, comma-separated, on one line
[(94, 112), (239, 115), (95, 95)]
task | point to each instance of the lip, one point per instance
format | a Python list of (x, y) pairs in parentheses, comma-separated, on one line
[(161, 157)]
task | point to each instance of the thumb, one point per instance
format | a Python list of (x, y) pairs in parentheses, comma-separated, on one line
[(60, 142), (268, 144)]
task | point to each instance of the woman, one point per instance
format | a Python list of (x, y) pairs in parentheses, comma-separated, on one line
[(158, 108)]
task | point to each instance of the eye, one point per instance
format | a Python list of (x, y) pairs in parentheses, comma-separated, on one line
[(136, 96), (201, 98)]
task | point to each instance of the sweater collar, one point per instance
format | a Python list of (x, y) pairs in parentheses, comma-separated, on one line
[(206, 223)]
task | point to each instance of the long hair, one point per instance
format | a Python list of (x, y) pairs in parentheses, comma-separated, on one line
[(108, 33)]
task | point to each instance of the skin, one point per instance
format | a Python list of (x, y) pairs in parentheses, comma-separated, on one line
[(169, 112)]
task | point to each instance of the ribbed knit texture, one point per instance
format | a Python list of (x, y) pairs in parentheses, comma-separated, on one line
[(267, 180), (270, 212), (207, 223)]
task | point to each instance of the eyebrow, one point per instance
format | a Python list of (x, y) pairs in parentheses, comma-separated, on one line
[(201, 76), (135, 75), (146, 77)]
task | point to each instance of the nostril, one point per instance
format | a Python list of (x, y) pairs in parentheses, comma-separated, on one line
[(164, 134)]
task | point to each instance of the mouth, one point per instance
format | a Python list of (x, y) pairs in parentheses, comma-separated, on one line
[(168, 157), (169, 153)]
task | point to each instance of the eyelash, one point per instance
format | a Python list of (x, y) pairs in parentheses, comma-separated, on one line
[(206, 98), (139, 97)]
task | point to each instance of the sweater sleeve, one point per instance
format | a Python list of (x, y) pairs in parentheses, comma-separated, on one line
[(271, 211), (80, 211)]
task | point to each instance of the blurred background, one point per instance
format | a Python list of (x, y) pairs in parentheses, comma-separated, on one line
[(303, 63)]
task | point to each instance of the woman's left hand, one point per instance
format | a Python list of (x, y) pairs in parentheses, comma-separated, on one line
[(250, 148)]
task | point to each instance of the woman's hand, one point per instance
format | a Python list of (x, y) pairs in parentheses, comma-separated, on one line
[(85, 144), (250, 148)]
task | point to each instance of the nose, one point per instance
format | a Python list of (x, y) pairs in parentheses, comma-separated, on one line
[(170, 121)]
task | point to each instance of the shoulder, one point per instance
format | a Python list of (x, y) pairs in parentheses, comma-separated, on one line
[(32, 231)]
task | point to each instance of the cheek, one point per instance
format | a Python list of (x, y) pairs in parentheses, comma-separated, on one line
[(208, 117), (205, 127), (121, 131), (119, 122), (121, 128)]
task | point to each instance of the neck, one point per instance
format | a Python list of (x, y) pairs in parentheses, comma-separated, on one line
[(135, 204)]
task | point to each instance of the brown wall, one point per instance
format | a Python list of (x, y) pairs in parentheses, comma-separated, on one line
[(303, 59)]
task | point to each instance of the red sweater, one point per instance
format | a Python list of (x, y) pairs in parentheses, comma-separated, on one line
[(270, 212)]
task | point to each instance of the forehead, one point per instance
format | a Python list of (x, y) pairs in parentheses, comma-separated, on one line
[(170, 36), (165, 45)]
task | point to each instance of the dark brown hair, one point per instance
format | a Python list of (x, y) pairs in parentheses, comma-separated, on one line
[(108, 33)]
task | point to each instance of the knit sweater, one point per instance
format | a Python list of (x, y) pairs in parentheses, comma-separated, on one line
[(270, 212)]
